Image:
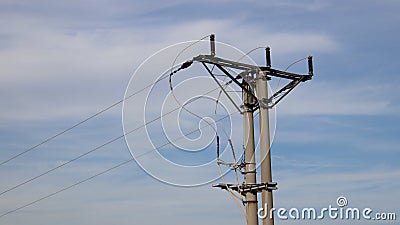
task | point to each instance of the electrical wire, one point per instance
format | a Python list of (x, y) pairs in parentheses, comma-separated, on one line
[(295, 62), (256, 48), (290, 65), (81, 156), (105, 171), (173, 72), (235, 165), (187, 63), (219, 166), (184, 65), (220, 92), (94, 149), (81, 122), (190, 112), (229, 140), (177, 56), (109, 142), (60, 133), (66, 188), (233, 196), (184, 49), (171, 86), (95, 114)]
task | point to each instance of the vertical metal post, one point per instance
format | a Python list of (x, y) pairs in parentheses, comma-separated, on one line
[(310, 66), (268, 56), (212, 44), (250, 160), (266, 174)]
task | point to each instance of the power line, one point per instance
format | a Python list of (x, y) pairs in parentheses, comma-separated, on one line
[(97, 148), (81, 122), (60, 133), (66, 188), (108, 170), (64, 164), (80, 156), (103, 110), (111, 141)]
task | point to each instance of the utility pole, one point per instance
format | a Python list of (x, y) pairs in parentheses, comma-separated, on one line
[(265, 151), (249, 154), (265, 143), (252, 79)]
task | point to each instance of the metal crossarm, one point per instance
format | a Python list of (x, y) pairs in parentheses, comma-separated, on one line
[(252, 69), (234, 79), (244, 188), (224, 62), (279, 95)]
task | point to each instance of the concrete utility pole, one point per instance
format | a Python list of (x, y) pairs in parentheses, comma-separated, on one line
[(265, 151), (253, 81), (250, 159)]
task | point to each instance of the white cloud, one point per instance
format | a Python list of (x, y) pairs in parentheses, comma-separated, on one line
[(307, 5), (66, 71), (333, 183), (323, 98), (77, 58)]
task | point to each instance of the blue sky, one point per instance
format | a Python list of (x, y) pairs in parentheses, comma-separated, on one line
[(61, 61)]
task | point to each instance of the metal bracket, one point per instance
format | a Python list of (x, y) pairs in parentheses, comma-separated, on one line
[(264, 103), (248, 69), (226, 94), (244, 188), (234, 79), (279, 95)]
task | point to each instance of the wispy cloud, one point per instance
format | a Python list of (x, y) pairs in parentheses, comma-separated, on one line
[(333, 98), (61, 61)]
